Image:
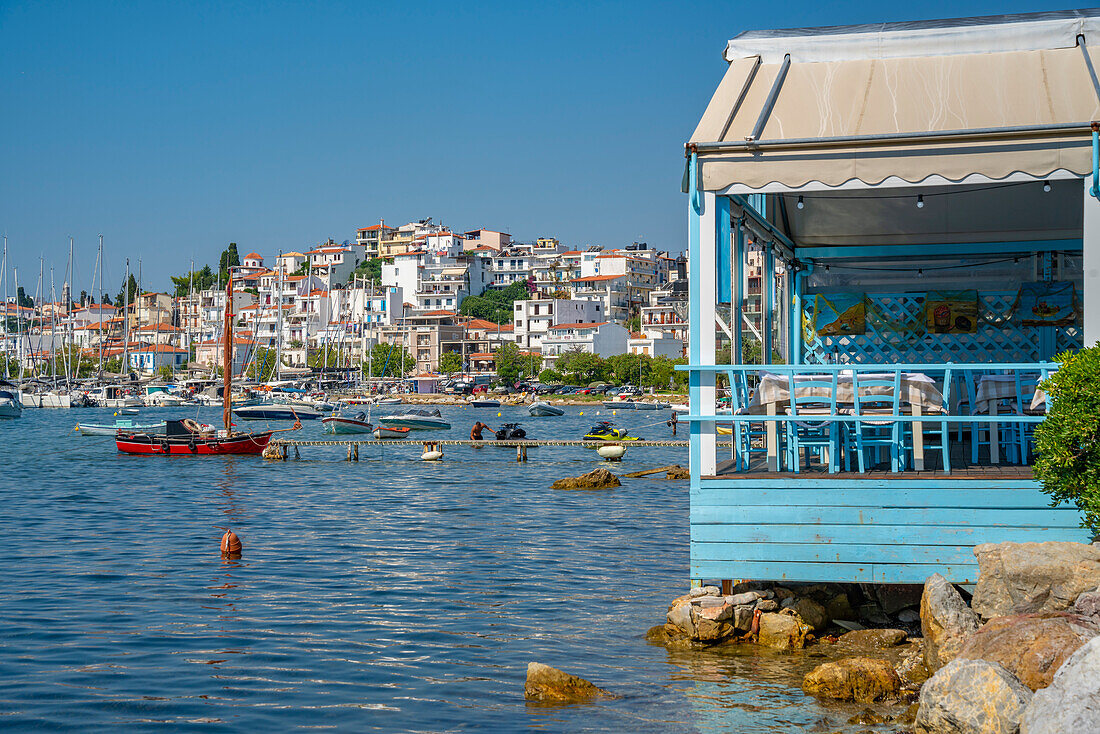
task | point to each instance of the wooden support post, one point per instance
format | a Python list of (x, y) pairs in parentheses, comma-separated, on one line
[(296, 454), (356, 453), (519, 453), (727, 587), (349, 452), (918, 440), (286, 452)]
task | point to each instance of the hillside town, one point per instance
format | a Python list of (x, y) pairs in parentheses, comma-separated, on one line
[(448, 300)]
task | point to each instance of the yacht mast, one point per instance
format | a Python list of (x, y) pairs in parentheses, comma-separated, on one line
[(99, 324), (38, 305), (18, 324), (191, 309), (125, 368), (53, 331), (279, 318), (69, 326), (227, 358)]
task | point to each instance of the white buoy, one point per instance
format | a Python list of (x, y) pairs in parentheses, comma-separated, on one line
[(431, 456), (611, 452)]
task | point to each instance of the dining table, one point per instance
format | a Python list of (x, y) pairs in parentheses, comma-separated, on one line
[(994, 391), (918, 392)]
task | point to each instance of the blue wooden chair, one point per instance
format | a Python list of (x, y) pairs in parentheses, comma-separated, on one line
[(979, 429), (937, 436), (880, 398), (814, 436), (744, 434), (1021, 436)]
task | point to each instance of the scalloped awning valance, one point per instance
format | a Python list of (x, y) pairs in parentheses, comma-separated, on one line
[(841, 106)]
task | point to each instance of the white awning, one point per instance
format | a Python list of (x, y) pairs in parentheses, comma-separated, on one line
[(818, 108)]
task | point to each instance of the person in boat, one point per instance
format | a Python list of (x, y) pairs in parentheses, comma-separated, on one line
[(475, 432)]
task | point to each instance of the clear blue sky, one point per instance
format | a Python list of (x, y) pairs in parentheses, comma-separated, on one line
[(175, 128)]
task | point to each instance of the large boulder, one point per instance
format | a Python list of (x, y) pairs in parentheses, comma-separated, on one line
[(971, 697), (876, 639), (811, 612), (945, 622), (596, 479), (1071, 703), (1030, 646), (1023, 578), (1088, 605), (863, 680), (783, 631), (552, 685), (704, 617)]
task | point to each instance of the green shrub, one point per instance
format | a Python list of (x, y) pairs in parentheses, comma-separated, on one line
[(1067, 443)]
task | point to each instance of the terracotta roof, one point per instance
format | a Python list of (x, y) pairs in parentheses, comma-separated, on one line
[(572, 252), (317, 292), (157, 327), (438, 313), (480, 324), (162, 348), (595, 278), (483, 355), (294, 277), (580, 326), (375, 227), (219, 342), (254, 256)]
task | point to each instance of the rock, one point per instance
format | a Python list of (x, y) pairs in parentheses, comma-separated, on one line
[(892, 598), (909, 715), (717, 613), (1023, 578), (864, 680), (706, 602), (945, 622), (742, 618), (1071, 703), (782, 631), (1088, 605), (679, 615), (550, 684), (1030, 646), (868, 717), (710, 631), (839, 607), (812, 613), (767, 605), (711, 591), (782, 592), (678, 472), (872, 613), (909, 616), (971, 697), (697, 591), (596, 479), (873, 638), (748, 597), (911, 668)]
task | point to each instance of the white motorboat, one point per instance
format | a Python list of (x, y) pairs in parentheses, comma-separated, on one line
[(10, 404), (655, 405), (356, 423), (388, 401), (115, 396), (274, 412), (49, 399), (158, 396), (420, 419), (542, 409), (680, 407)]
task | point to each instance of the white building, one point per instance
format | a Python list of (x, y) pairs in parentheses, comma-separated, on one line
[(605, 339), (533, 319)]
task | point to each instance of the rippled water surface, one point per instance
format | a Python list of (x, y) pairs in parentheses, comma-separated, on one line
[(387, 594)]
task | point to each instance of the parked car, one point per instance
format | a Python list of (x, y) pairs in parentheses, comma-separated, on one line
[(479, 389), (546, 389)]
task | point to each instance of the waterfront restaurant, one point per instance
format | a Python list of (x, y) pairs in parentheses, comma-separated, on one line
[(925, 199)]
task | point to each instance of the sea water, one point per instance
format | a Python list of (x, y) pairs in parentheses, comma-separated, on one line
[(387, 595)]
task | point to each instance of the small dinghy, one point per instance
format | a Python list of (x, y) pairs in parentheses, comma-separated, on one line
[(421, 419), (110, 429), (542, 410), (485, 403), (347, 424), (387, 432)]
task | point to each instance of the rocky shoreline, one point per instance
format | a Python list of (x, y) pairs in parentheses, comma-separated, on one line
[(1022, 656)]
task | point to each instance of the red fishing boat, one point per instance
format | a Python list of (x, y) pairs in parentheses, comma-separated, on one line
[(186, 437)]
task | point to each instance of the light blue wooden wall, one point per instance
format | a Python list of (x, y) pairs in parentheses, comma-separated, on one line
[(885, 530)]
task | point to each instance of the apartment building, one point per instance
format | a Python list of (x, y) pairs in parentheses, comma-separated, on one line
[(533, 319), (605, 339), (371, 238)]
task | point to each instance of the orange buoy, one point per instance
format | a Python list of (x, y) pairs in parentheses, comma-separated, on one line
[(231, 545)]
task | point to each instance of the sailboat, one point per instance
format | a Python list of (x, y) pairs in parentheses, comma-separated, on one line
[(187, 436)]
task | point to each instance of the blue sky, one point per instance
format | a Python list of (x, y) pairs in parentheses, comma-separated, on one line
[(175, 128)]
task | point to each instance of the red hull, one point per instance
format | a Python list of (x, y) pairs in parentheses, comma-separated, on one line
[(143, 443)]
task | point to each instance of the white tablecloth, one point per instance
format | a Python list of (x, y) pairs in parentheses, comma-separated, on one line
[(1002, 388), (917, 388)]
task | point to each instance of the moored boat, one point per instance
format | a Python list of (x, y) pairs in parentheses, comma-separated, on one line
[(542, 409), (275, 412), (421, 419), (620, 404), (347, 424), (110, 429), (485, 403), (388, 432), (10, 404)]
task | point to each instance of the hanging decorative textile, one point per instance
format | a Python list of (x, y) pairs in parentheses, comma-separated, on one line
[(840, 314), (951, 312), (1046, 304)]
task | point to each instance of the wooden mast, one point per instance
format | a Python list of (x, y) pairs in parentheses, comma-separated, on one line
[(227, 372)]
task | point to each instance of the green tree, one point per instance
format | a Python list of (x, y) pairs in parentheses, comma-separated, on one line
[(23, 299), (581, 367), (262, 367), (627, 368), (166, 373), (200, 280), (550, 376), (370, 269), (127, 285), (634, 323), (1067, 442), (507, 363), (112, 365), (450, 362), (229, 259), (389, 360), (495, 304), (327, 358), (530, 363)]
